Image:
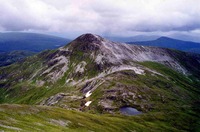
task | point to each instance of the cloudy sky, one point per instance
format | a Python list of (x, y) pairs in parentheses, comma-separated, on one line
[(104, 17)]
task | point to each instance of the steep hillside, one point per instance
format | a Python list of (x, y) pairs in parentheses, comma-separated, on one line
[(29, 41), (98, 76), (166, 42)]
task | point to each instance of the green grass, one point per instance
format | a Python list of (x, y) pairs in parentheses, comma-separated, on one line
[(188, 83), (38, 118), (26, 93)]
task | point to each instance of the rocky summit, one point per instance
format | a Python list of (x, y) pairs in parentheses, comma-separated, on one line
[(157, 88)]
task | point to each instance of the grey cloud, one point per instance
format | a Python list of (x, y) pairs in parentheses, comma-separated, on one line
[(101, 17)]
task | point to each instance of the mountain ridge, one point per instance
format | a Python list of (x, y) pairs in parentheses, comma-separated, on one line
[(29, 41), (95, 75), (8, 58)]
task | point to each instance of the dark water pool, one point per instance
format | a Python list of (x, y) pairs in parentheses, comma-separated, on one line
[(129, 111)]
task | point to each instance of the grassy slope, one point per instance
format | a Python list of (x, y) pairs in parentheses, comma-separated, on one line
[(38, 118), (186, 115)]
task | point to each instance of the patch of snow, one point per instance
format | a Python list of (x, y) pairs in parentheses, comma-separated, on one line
[(88, 94), (88, 103)]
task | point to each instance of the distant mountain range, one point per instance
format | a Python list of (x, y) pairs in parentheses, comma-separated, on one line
[(7, 58), (29, 41), (16, 46), (132, 38), (166, 42)]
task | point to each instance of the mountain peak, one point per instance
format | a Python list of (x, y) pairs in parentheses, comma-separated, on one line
[(90, 38), (87, 42), (167, 38)]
